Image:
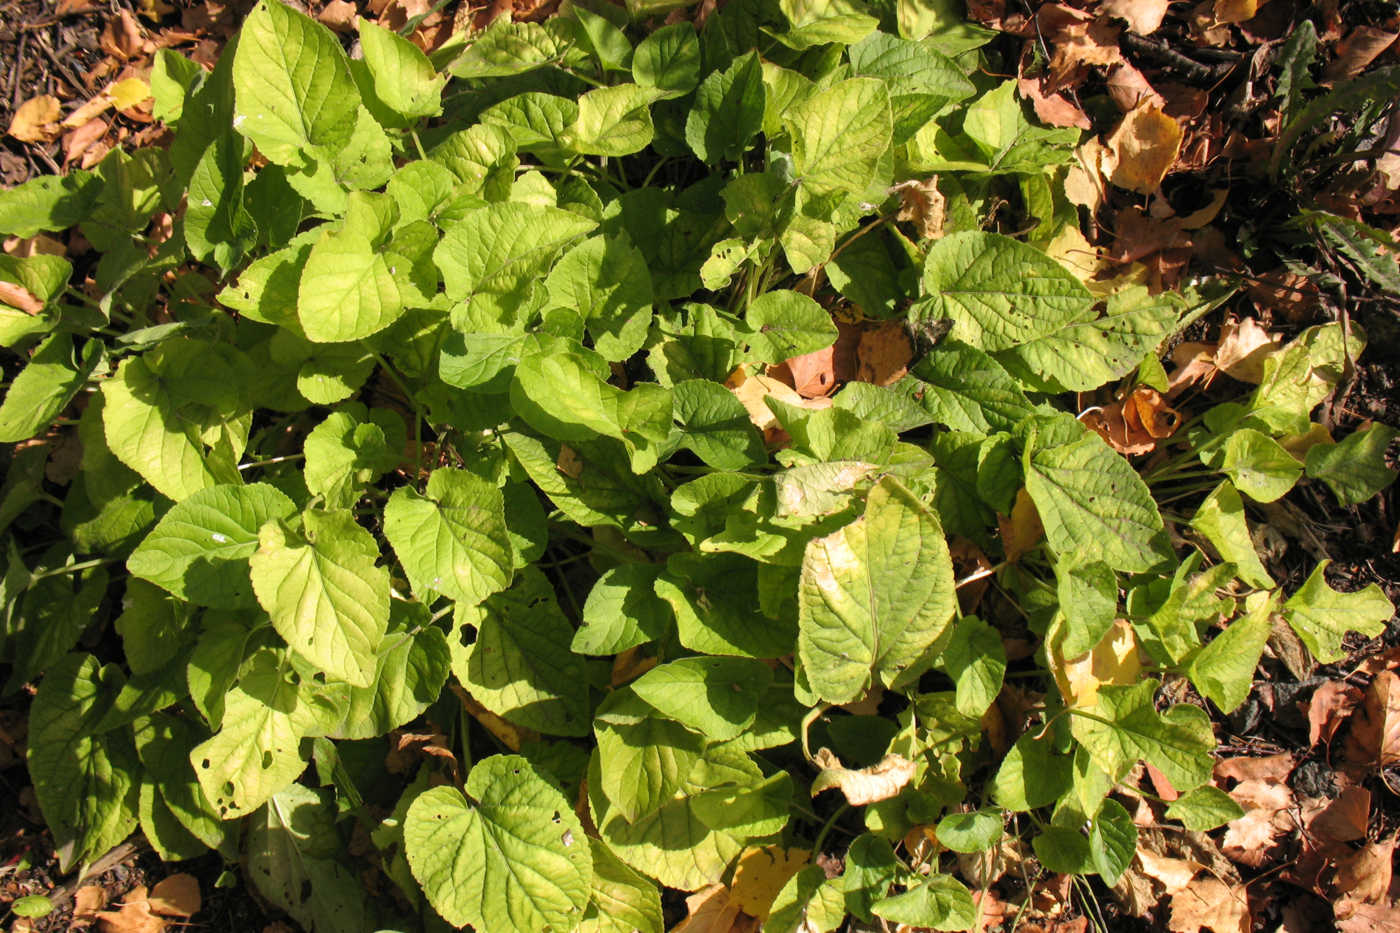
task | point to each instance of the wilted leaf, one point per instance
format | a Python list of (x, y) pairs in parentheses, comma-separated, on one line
[(880, 781)]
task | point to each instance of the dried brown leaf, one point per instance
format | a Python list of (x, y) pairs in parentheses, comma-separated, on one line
[(1051, 107), (88, 900), (1365, 876), (1375, 728), (19, 297), (922, 204), (1362, 45), (176, 896), (134, 916), (1210, 904), (1144, 146), (1328, 708), (880, 781), (1244, 346), (1250, 839), (883, 354), (709, 910), (1143, 16), (338, 15), (36, 120), (1367, 918), (1344, 819)]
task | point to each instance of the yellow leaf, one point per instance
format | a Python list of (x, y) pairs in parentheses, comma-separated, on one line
[(1144, 147), (36, 120), (761, 873), (129, 93), (880, 781), (1113, 662)]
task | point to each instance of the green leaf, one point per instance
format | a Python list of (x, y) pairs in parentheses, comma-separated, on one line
[(1063, 850), (715, 600), (408, 677), (453, 540), (1112, 841), (31, 905), (1126, 728), (325, 593), (291, 858), (148, 427), (1322, 616), (668, 60), (621, 612), (808, 903), (45, 386), (716, 697), (976, 660), (510, 855), (606, 280), (1220, 518), (1369, 251), (348, 290), (1089, 601), (967, 390), (48, 202), (404, 79), (520, 666), (164, 742), (256, 753), (1084, 355), (1093, 504), (1259, 466), (508, 48), (501, 249), (996, 123), (940, 903), (839, 136), (622, 900), (1223, 670), (976, 831), (819, 22), (1204, 809), (605, 40), (613, 121), (200, 548), (643, 760), (295, 96), (999, 292), (351, 448), (728, 111), (1032, 775), (716, 425), (1298, 379), (85, 783), (875, 596), (787, 324), (1355, 469)]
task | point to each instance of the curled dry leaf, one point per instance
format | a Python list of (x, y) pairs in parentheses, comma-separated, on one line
[(134, 915), (1051, 107), (338, 15), (36, 120), (1328, 708), (1244, 346), (1367, 918), (1208, 903), (1173, 873), (176, 896), (1129, 87), (752, 390), (922, 204), (880, 781), (88, 900), (1134, 425), (1143, 147), (1375, 729), (1143, 16), (19, 297)]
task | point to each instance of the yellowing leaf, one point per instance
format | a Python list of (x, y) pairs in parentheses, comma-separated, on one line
[(1113, 661), (36, 120), (129, 93), (761, 873), (1144, 147), (880, 781)]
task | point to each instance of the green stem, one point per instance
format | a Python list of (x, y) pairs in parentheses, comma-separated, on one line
[(827, 827), (78, 567)]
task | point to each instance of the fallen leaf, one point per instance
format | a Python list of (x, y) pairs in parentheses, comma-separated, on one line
[(880, 781), (922, 204), (1250, 839), (1022, 529), (1210, 904), (752, 390), (88, 900), (407, 748), (338, 15), (36, 120), (883, 354), (122, 36), (1365, 876), (1360, 47), (134, 916), (1052, 108), (77, 142), (1129, 87), (709, 910), (761, 873), (20, 298), (1328, 708), (176, 896), (812, 375), (1143, 16), (88, 111), (1114, 661), (1368, 918), (1236, 11), (1244, 346), (569, 462), (1375, 729), (1083, 44), (1144, 146), (1174, 873), (1084, 182), (128, 93), (1345, 818), (1134, 425)]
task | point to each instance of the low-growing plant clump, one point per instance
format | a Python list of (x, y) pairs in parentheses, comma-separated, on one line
[(572, 466)]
